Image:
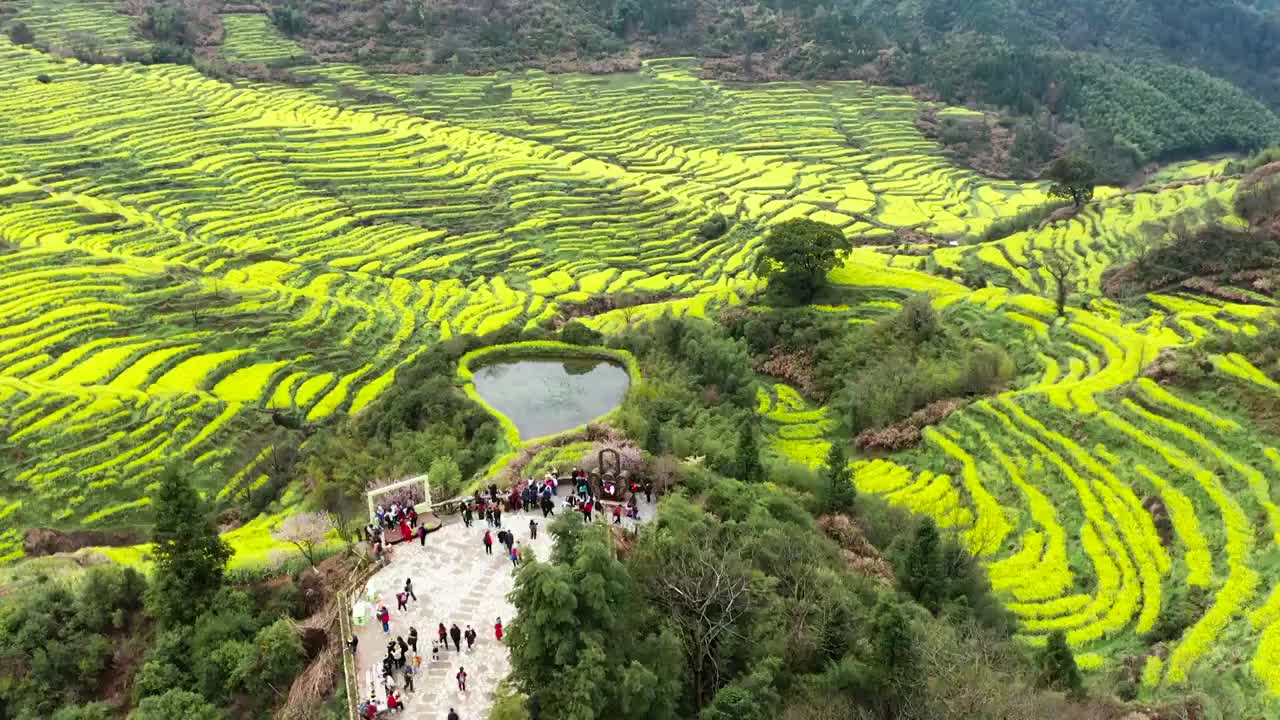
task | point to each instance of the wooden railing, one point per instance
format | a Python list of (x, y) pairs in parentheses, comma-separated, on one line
[(350, 670)]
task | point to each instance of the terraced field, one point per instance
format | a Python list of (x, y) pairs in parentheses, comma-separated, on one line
[(252, 38), (97, 24), (1059, 482), (185, 255)]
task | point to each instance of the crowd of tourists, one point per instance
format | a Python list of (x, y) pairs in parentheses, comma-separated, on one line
[(543, 495), (403, 661), (390, 522)]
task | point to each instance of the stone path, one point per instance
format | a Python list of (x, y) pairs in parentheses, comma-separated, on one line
[(456, 582)]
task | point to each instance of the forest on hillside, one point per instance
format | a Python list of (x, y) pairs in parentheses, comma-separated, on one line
[(1136, 80)]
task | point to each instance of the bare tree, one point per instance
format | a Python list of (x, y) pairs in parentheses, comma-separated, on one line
[(306, 531), (1061, 267), (705, 591)]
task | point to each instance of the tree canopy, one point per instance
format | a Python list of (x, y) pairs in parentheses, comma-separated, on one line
[(799, 253), (1072, 177), (190, 556)]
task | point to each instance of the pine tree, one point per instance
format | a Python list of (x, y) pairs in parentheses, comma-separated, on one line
[(653, 438), (190, 557), (924, 578), (748, 460), (896, 661), (1058, 666), (840, 494)]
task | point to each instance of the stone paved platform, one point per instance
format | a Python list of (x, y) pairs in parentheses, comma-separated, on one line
[(455, 583)]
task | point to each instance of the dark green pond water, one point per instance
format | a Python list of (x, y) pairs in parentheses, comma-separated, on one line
[(544, 397)]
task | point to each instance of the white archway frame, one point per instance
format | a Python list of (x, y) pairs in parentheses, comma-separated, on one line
[(423, 506)]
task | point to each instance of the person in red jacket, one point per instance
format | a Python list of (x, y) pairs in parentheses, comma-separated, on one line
[(384, 617), (488, 543), (497, 629), (462, 679)]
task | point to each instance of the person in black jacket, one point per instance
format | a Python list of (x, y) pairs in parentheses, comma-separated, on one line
[(456, 634)]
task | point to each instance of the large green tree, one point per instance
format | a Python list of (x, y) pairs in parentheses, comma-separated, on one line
[(1072, 177), (798, 254), (576, 642), (190, 557)]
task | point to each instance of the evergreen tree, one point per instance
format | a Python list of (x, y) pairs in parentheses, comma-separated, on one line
[(1058, 666), (896, 658), (748, 459), (924, 577), (840, 495), (190, 558), (653, 437)]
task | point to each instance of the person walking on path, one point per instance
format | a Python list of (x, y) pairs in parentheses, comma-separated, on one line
[(466, 515), (413, 639), (408, 589), (533, 529), (462, 679), (443, 634), (384, 616), (453, 715), (497, 629), (413, 516), (408, 678), (470, 635), (617, 516), (497, 516), (422, 535), (488, 516), (515, 557), (648, 491), (402, 602), (456, 634), (404, 646), (353, 643), (488, 543)]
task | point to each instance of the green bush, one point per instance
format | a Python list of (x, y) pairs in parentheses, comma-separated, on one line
[(275, 657), (176, 704), (92, 711)]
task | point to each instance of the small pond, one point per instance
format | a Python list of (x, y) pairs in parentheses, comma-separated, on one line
[(545, 397)]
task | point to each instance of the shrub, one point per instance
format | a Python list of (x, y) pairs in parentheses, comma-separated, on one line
[(575, 333), (92, 711), (276, 656), (176, 704), (20, 34), (713, 228)]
